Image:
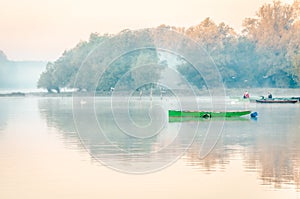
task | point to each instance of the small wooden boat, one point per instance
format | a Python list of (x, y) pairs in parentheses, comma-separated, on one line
[(296, 98), (278, 100), (207, 114)]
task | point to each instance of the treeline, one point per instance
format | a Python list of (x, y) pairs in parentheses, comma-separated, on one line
[(84, 69), (265, 54)]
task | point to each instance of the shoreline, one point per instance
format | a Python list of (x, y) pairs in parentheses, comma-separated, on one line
[(237, 92)]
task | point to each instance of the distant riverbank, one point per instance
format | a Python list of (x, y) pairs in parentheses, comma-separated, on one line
[(254, 92)]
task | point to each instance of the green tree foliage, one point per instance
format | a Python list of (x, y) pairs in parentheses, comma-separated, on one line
[(191, 74), (62, 73), (96, 72), (47, 80)]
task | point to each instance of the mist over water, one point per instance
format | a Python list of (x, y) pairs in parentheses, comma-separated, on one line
[(20, 76), (42, 154)]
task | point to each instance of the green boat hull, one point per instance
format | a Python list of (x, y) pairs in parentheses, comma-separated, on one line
[(207, 114)]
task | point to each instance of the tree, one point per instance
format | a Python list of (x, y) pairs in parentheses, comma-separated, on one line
[(294, 44), (63, 72), (267, 53), (218, 41), (46, 79), (271, 32), (206, 34), (271, 26)]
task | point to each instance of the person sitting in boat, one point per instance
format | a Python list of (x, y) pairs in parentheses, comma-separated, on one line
[(246, 95), (270, 95)]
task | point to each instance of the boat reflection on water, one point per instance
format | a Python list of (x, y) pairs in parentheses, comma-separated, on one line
[(268, 146), (201, 119)]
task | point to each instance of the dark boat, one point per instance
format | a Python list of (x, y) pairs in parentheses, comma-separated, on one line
[(281, 101), (296, 98)]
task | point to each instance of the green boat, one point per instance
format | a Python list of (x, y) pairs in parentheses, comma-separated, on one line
[(207, 114)]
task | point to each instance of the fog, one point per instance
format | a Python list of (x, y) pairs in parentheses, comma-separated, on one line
[(19, 75)]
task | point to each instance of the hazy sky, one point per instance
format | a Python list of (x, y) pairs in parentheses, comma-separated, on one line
[(43, 29)]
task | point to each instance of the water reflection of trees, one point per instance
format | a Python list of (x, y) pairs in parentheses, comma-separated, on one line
[(217, 159), (277, 158), (272, 149), (105, 139), (277, 150), (58, 114), (227, 145)]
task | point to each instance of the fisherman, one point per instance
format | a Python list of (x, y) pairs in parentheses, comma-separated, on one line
[(246, 95), (270, 95)]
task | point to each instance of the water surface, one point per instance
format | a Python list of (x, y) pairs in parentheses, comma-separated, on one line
[(47, 153)]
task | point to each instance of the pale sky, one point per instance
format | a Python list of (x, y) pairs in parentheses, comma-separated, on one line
[(43, 29)]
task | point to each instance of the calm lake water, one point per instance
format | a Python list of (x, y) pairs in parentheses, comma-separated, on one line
[(98, 148)]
